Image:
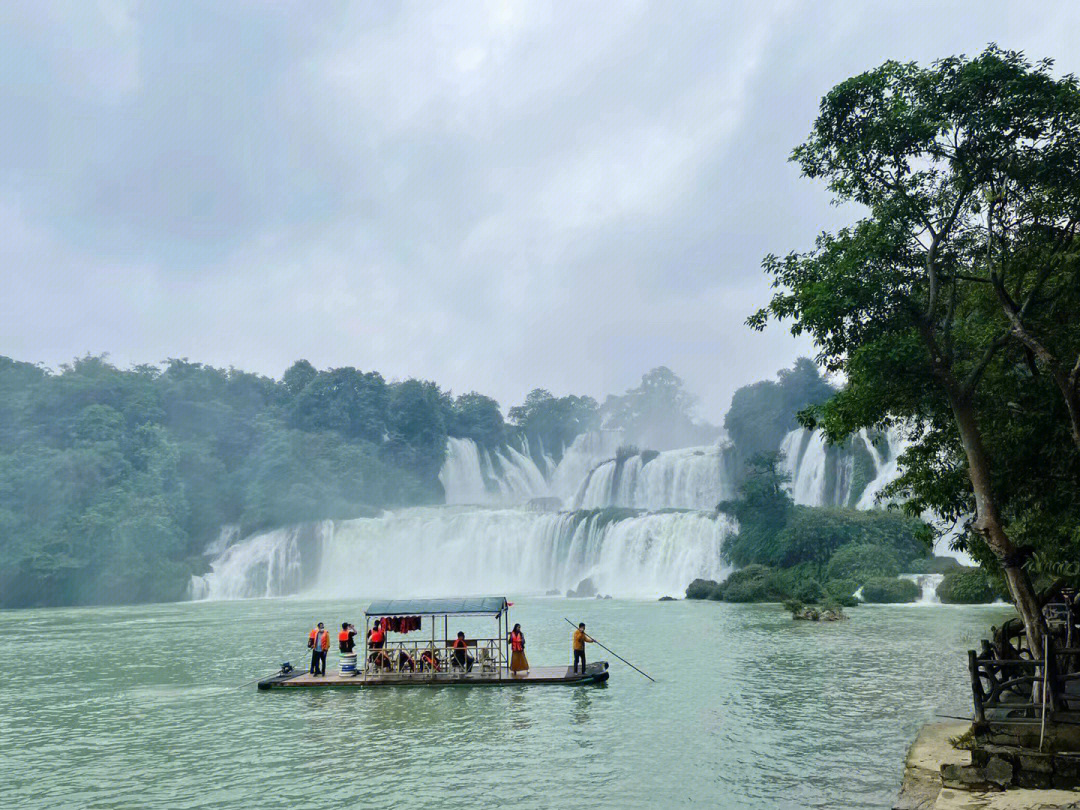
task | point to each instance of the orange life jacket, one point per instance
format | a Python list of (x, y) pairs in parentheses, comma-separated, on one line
[(517, 642), (318, 643), (343, 637), (460, 644)]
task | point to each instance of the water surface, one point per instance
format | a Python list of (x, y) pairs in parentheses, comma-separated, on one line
[(140, 707)]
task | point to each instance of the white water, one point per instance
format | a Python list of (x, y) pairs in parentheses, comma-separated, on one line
[(823, 478), (266, 564), (690, 478), (483, 541), (441, 551), (928, 583), (472, 475)]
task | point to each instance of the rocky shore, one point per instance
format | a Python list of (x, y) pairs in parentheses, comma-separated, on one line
[(939, 776)]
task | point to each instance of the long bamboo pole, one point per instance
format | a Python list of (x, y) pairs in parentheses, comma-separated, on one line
[(598, 644)]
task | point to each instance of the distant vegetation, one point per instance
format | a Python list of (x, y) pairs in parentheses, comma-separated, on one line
[(813, 555), (113, 482)]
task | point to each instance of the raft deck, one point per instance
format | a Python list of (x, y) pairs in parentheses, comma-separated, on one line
[(595, 673)]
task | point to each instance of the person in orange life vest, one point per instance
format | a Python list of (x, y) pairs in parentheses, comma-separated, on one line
[(461, 657), (376, 641), (429, 659), (319, 642), (579, 646), (518, 661), (345, 638)]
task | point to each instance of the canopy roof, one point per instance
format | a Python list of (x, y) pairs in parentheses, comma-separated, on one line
[(454, 606)]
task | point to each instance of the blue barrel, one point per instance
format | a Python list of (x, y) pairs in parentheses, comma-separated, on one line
[(348, 664)]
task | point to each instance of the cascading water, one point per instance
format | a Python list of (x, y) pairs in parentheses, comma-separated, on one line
[(850, 474), (488, 546), (441, 551), (690, 478), (928, 584), (472, 475), (266, 564)]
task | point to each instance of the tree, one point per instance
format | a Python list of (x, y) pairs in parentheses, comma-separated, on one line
[(549, 423), (761, 414), (478, 417), (658, 414), (960, 166)]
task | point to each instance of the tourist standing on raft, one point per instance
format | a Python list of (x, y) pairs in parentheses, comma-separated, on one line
[(518, 661), (579, 646), (319, 642)]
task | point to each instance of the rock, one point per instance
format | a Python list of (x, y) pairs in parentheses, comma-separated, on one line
[(999, 772), (703, 589), (585, 590), (965, 777), (666, 599), (553, 592)]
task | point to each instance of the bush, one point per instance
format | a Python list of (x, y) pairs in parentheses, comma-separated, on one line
[(703, 589), (842, 591), (750, 584), (861, 562), (890, 591), (810, 592), (969, 586), (933, 565)]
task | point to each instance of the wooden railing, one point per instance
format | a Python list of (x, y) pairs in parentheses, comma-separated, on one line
[(1011, 689), (428, 658)]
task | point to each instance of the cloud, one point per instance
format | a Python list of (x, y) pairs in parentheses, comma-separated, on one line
[(493, 195)]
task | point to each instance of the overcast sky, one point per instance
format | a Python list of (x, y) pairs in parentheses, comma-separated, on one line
[(496, 196)]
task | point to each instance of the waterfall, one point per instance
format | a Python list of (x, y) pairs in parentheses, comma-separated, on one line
[(580, 458), (472, 475), (441, 551), (929, 585), (849, 474), (689, 478), (887, 470), (267, 564), (461, 476)]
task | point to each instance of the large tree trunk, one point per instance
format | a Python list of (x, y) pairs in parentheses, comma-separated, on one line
[(988, 524)]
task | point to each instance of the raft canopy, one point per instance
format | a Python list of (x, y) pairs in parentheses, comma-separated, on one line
[(454, 606)]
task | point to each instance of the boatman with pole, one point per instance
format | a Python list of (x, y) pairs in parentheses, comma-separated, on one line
[(580, 640)]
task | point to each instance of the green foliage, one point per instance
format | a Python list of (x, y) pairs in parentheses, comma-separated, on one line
[(704, 589), (860, 562), (761, 414), (549, 424), (658, 413), (478, 417), (949, 307), (112, 482), (883, 590), (774, 532), (750, 584), (842, 591), (932, 565), (968, 586)]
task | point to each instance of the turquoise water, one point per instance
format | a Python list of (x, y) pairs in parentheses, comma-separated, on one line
[(140, 707)]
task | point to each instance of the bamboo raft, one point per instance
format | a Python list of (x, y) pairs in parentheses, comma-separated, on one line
[(489, 658), (594, 673)]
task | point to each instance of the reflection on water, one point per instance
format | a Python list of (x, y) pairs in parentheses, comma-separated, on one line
[(143, 707)]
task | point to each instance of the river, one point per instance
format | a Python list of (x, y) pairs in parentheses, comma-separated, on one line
[(141, 707)]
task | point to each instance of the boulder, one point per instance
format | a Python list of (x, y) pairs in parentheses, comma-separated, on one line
[(586, 589)]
